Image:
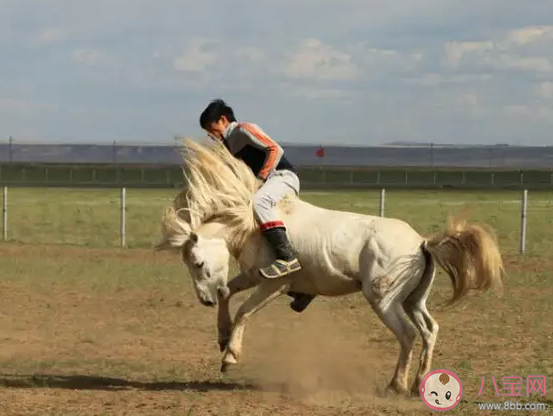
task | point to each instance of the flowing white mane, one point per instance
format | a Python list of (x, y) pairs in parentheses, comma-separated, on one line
[(218, 187)]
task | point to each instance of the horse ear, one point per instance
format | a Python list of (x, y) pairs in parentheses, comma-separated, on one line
[(193, 238)]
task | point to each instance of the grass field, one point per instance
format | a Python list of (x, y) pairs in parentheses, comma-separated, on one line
[(90, 329)]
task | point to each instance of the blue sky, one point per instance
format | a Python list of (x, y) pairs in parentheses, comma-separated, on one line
[(307, 71)]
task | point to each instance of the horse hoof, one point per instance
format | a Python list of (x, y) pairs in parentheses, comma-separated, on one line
[(301, 302), (228, 360), (393, 391), (297, 308), (415, 391), (225, 367)]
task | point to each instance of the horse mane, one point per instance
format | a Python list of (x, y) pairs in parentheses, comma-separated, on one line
[(218, 187)]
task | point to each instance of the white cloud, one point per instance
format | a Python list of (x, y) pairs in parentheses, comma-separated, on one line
[(196, 58), (531, 113), (250, 54), (312, 59), (545, 89), (527, 49), (456, 51), (92, 57), (20, 105), (530, 64), (469, 99), (316, 93), (435, 79), (374, 61), (49, 36), (529, 36)]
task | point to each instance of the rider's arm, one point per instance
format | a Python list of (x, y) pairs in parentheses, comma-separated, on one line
[(252, 135)]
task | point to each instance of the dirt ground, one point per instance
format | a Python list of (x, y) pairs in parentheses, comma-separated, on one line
[(119, 332)]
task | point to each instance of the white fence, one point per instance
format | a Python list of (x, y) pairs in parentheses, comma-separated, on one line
[(382, 204)]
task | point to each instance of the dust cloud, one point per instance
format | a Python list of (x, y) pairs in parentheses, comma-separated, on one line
[(321, 358)]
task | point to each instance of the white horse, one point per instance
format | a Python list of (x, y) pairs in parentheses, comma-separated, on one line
[(341, 253)]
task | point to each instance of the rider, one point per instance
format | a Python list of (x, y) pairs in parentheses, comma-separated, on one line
[(265, 157)]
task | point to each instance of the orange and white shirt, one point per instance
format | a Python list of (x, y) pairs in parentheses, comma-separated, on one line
[(248, 142)]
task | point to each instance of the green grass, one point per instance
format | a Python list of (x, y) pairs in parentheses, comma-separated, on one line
[(92, 217), (91, 329)]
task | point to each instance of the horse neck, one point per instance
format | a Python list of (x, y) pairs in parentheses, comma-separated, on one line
[(229, 234)]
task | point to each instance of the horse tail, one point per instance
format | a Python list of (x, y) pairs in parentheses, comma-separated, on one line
[(427, 278), (470, 255)]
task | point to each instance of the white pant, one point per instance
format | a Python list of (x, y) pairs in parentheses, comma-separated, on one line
[(279, 184)]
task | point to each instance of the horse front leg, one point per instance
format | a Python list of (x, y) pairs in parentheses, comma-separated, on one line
[(268, 291), (237, 284)]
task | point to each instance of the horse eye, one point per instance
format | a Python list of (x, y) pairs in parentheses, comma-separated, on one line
[(199, 265)]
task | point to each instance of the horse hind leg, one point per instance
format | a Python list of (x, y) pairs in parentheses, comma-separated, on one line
[(428, 328), (415, 307), (392, 316)]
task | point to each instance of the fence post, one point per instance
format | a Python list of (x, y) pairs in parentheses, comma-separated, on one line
[(10, 150), (382, 202), (122, 231), (523, 213), (5, 214)]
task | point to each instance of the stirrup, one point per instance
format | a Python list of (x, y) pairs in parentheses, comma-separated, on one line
[(280, 268)]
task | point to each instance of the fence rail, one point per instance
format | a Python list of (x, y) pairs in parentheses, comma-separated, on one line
[(117, 176), (123, 215)]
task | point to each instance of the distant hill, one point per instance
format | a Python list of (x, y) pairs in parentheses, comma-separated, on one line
[(430, 144)]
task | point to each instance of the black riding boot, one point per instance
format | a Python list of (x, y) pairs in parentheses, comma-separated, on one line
[(286, 261), (301, 301)]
